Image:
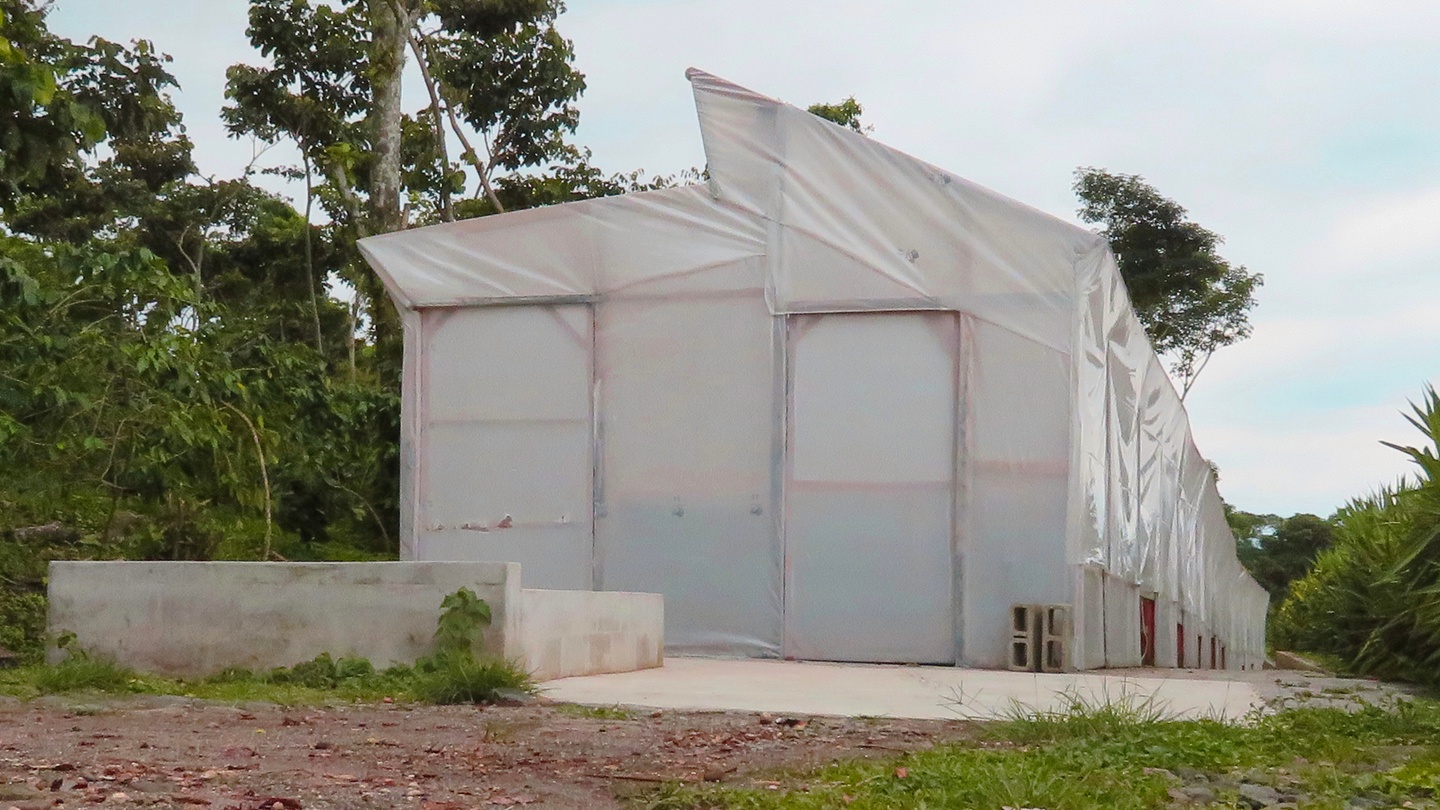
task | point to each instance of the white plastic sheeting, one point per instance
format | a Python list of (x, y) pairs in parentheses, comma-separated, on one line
[(835, 404)]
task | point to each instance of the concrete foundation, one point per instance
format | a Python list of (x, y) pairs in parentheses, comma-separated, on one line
[(849, 690), (192, 619)]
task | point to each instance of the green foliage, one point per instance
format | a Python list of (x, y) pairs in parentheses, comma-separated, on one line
[(595, 712), (22, 622), (175, 380), (500, 68), (1277, 551), (846, 114), (1373, 598), (325, 672), (1190, 300), (463, 619), (45, 125)]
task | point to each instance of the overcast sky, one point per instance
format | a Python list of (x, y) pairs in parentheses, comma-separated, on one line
[(1304, 131)]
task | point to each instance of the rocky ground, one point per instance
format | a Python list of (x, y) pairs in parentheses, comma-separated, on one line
[(173, 752), (178, 752)]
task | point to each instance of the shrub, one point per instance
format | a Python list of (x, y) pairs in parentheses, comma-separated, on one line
[(454, 673), (1373, 599)]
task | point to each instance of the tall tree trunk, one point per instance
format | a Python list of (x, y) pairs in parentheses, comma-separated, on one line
[(390, 27), (310, 257), (390, 22)]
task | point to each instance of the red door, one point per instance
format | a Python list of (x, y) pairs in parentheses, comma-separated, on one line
[(1147, 632), (1179, 645), (1212, 652)]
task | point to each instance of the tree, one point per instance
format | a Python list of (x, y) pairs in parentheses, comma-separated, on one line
[(496, 73), (1373, 597), (1190, 300), (846, 114), (59, 100), (1278, 551)]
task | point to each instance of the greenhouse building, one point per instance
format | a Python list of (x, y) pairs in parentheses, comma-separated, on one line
[(834, 404)]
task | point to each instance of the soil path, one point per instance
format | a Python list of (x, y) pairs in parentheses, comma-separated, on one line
[(172, 752)]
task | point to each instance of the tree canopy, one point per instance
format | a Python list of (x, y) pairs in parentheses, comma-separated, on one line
[(846, 113), (1190, 300), (181, 375), (1278, 551)]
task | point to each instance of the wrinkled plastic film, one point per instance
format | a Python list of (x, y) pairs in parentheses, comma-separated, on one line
[(684, 502), (647, 392)]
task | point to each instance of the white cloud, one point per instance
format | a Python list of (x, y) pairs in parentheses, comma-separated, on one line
[(1313, 464), (1394, 228)]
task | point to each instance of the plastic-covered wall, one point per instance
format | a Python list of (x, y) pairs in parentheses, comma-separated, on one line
[(837, 404)]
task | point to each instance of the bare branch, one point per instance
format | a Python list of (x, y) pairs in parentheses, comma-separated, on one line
[(1195, 375), (470, 155), (447, 211), (374, 515)]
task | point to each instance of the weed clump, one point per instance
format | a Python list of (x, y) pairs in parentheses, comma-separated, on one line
[(81, 672), (454, 673), (447, 679)]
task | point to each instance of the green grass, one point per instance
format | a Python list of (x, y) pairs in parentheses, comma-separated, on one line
[(82, 673), (448, 679), (321, 681), (1123, 754)]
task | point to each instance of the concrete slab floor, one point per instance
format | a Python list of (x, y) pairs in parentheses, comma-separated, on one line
[(849, 690)]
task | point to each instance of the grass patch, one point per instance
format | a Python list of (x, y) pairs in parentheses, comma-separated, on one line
[(82, 673), (1128, 755), (448, 679), (595, 712), (324, 680)]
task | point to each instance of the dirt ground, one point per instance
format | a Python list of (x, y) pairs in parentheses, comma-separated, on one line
[(170, 752)]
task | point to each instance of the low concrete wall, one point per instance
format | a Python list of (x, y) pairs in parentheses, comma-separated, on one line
[(568, 633), (190, 619)]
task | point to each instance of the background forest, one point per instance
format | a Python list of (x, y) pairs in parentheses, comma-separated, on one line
[(193, 367)]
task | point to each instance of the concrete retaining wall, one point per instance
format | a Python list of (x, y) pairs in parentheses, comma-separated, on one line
[(589, 632), (190, 619)]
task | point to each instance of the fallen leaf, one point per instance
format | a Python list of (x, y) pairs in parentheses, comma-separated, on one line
[(901, 773)]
